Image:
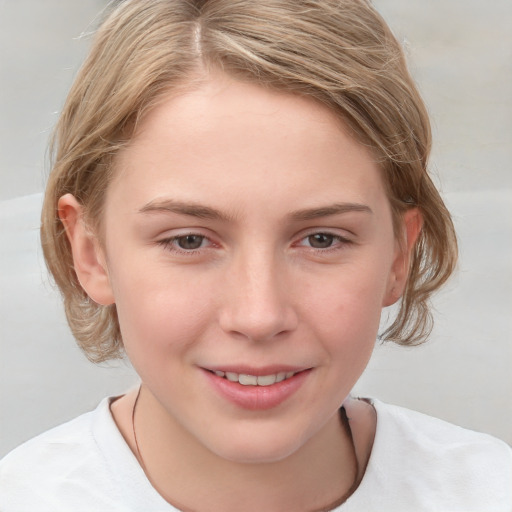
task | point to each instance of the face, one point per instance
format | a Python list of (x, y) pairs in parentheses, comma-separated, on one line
[(249, 249)]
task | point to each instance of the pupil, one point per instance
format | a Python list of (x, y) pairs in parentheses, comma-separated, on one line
[(190, 241), (320, 240)]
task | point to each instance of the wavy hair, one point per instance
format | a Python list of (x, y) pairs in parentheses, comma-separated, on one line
[(340, 52)]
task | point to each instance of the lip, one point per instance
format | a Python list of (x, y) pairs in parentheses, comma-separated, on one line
[(256, 398)]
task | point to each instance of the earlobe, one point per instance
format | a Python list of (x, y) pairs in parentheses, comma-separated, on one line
[(88, 256), (412, 223)]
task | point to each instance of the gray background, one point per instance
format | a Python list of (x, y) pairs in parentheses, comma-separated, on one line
[(461, 55)]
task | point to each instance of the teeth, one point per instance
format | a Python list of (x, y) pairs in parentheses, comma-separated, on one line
[(266, 380), (248, 380), (253, 380)]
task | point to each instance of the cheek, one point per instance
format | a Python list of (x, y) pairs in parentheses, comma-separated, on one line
[(159, 310), (348, 307)]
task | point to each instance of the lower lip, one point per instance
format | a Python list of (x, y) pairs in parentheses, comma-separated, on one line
[(257, 398)]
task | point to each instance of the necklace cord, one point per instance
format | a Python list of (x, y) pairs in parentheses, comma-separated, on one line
[(137, 449)]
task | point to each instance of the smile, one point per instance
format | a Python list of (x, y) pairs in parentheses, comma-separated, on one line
[(255, 380), (266, 390)]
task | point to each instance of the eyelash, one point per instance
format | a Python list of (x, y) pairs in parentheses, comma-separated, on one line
[(171, 244)]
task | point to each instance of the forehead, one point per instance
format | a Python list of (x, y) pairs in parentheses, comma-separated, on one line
[(231, 141)]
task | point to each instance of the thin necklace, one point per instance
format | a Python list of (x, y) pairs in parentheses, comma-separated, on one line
[(346, 424), (355, 484), (137, 449)]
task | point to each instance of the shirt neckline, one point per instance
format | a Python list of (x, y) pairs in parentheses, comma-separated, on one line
[(136, 487)]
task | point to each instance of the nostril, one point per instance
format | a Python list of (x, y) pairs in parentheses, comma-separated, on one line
[(258, 327)]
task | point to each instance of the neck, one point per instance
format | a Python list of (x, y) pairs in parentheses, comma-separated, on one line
[(320, 474)]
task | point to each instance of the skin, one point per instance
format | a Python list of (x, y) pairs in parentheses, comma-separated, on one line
[(282, 276)]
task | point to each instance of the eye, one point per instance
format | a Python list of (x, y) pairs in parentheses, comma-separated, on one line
[(187, 243), (324, 241), (321, 240)]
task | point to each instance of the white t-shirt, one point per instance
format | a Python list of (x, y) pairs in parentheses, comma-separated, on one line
[(418, 463)]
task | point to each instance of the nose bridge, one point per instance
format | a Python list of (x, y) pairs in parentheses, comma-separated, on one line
[(257, 304)]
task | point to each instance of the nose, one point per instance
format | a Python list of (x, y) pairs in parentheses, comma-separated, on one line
[(256, 301)]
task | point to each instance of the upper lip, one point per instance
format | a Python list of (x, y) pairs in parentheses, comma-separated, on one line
[(259, 371)]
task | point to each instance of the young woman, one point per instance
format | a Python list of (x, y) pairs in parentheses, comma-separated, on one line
[(239, 188)]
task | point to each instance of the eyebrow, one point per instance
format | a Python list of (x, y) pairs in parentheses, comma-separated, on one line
[(206, 212), (183, 208), (326, 211)]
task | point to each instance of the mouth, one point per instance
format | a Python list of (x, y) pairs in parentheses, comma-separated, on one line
[(246, 379), (257, 389)]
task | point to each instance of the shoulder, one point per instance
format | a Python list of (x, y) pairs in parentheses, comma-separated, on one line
[(460, 468), (438, 437), (65, 441), (52, 463)]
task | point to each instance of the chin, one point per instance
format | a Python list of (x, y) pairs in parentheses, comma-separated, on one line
[(252, 447), (256, 455)]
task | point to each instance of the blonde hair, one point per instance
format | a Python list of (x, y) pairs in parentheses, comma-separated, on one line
[(340, 52)]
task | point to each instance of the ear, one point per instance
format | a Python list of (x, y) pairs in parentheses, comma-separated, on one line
[(88, 256), (412, 223)]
